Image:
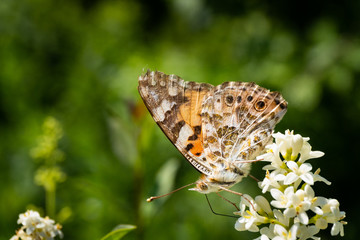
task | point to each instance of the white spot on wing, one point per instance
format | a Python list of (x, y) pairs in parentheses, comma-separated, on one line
[(153, 80), (172, 77), (184, 134), (165, 105), (173, 91), (160, 113), (154, 94), (162, 109)]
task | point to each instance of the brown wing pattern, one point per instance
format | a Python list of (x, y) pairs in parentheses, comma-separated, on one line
[(176, 107), (238, 120)]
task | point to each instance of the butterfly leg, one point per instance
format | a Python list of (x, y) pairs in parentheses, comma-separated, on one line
[(234, 204), (257, 180), (219, 214), (239, 194)]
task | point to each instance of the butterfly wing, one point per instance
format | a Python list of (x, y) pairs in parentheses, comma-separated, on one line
[(176, 106), (238, 120)]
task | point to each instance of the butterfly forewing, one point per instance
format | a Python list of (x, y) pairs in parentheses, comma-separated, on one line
[(175, 105)]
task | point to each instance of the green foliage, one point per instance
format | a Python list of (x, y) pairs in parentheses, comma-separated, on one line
[(79, 61), (49, 174), (47, 149), (118, 232)]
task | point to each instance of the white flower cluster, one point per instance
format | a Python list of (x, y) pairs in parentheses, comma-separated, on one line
[(297, 213), (35, 227)]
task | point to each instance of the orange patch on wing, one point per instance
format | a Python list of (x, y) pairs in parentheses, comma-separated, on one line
[(191, 110), (197, 148)]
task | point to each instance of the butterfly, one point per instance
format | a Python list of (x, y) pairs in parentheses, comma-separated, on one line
[(219, 129)]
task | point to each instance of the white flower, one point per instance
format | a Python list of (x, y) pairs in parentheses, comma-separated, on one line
[(36, 227), (318, 178), (301, 202), (282, 199), (302, 172), (281, 218), (288, 179), (289, 144), (283, 234), (250, 218), (295, 203), (31, 220), (270, 181), (267, 232), (272, 155), (262, 205), (306, 153), (338, 227), (247, 222), (330, 214), (245, 202), (264, 237), (307, 232)]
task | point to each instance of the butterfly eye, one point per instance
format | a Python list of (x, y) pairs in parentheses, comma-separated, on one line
[(229, 100), (260, 105)]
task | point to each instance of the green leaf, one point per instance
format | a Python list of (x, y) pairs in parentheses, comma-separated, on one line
[(165, 177), (119, 231)]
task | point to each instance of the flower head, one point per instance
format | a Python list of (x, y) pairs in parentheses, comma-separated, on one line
[(289, 178), (36, 227)]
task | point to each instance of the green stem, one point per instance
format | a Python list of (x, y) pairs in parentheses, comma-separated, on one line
[(274, 221), (50, 202)]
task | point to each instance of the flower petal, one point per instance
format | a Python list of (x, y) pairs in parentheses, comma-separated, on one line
[(263, 204), (317, 210), (308, 178), (264, 237), (321, 223), (292, 165), (303, 217), (305, 167), (280, 230), (276, 194), (290, 212), (316, 154), (318, 178), (297, 143), (290, 178), (336, 228)]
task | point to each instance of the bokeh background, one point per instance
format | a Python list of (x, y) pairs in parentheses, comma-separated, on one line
[(79, 61)]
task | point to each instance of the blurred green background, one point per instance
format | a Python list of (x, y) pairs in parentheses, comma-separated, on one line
[(79, 61)]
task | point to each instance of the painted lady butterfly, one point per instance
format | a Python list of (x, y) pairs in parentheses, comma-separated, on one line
[(219, 129)]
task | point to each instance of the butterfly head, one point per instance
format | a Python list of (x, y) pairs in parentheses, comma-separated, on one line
[(225, 175)]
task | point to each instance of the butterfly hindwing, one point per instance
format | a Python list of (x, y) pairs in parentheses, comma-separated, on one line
[(176, 107), (238, 120)]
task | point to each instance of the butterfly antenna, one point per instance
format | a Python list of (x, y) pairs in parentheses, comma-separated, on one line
[(219, 214), (150, 199)]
